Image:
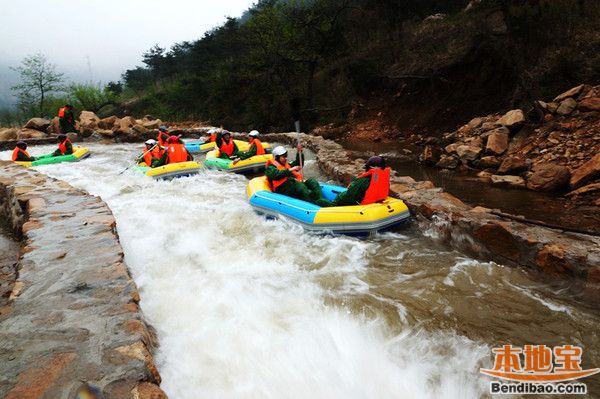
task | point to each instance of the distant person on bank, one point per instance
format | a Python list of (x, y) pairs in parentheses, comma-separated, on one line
[(65, 147), (227, 147), (256, 147), (175, 152), (284, 178), (369, 187), (20, 153), (66, 119)]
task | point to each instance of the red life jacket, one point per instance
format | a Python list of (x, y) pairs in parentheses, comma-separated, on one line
[(62, 147), (61, 112), (176, 153), (161, 142), (259, 147), (379, 188), (274, 184), (227, 148), (16, 152), (213, 138)]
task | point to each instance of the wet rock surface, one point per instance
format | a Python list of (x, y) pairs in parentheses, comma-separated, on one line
[(477, 231), (73, 312)]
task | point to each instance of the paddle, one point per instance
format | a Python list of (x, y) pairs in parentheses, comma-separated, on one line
[(137, 160), (295, 105)]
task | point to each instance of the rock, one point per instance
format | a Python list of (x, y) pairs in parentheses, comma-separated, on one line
[(498, 239), (475, 123), (30, 134), (139, 129), (487, 176), (574, 92), (548, 177), (88, 119), (474, 141), (107, 123), (513, 165), (485, 135), (488, 126), (585, 172), (8, 134), (40, 124), (513, 119), (146, 390), (105, 133), (590, 188), (566, 107), (54, 127), (589, 104), (507, 180), (123, 125), (552, 260), (468, 152), (447, 162), (497, 143), (451, 148), (431, 154), (489, 162), (152, 124), (495, 22)]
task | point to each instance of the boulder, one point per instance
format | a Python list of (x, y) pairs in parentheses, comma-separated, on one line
[(566, 106), (513, 119), (123, 125), (488, 126), (139, 129), (431, 154), (484, 136), (507, 180), (574, 92), (552, 260), (54, 127), (489, 162), (585, 172), (30, 134), (107, 123), (152, 124), (40, 124), (589, 104), (88, 119), (468, 152), (548, 177), (497, 143), (447, 162), (512, 165), (9, 133), (451, 148), (105, 133)]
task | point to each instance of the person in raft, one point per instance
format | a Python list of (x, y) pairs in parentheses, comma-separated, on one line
[(227, 147), (210, 136), (65, 147), (20, 153), (163, 136), (175, 152), (284, 178), (152, 153), (256, 147), (369, 187)]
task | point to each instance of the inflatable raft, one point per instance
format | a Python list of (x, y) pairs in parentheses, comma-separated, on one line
[(78, 154), (255, 164), (357, 220), (171, 170), (200, 147)]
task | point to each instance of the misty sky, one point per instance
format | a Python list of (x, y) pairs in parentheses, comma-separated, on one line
[(97, 40)]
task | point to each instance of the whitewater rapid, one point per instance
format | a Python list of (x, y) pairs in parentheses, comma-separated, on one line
[(246, 307)]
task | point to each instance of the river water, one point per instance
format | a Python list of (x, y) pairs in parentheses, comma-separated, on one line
[(251, 308)]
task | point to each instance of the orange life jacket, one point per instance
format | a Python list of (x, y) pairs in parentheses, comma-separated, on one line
[(213, 138), (176, 153), (274, 184), (227, 148), (161, 142), (154, 153), (259, 147), (379, 188), (16, 152), (61, 112), (62, 147)]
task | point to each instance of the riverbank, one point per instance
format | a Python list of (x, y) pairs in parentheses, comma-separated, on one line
[(73, 313)]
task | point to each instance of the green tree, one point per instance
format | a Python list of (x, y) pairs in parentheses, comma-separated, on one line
[(38, 79)]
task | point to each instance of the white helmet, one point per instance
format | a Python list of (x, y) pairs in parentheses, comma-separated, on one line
[(253, 133), (150, 142), (278, 151)]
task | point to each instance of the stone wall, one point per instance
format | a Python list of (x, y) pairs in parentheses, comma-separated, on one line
[(73, 314), (475, 231)]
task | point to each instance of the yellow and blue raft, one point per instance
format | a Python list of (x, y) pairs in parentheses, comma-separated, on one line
[(356, 220)]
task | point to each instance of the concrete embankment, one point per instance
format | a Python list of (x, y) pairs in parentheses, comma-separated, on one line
[(73, 313), (476, 231)]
